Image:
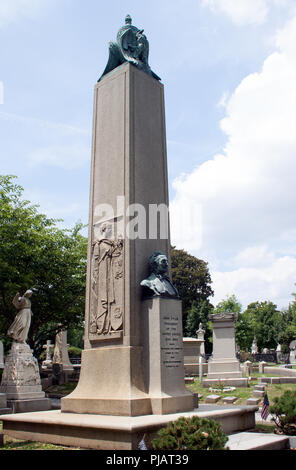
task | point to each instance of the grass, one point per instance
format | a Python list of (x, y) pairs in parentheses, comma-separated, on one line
[(62, 389), (242, 393)]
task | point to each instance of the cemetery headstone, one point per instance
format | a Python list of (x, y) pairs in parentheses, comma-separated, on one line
[(47, 363), (224, 365), (21, 378), (1, 355)]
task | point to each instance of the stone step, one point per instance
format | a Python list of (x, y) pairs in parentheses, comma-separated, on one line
[(258, 393), (229, 400), (261, 387), (257, 441), (253, 401), (212, 398), (189, 380)]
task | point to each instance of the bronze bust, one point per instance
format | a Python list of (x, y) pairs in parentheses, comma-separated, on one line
[(158, 283)]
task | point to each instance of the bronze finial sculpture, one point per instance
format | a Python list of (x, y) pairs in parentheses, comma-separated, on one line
[(131, 46)]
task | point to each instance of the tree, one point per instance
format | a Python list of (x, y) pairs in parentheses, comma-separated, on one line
[(191, 277), (36, 254), (199, 313), (230, 305), (243, 330), (264, 320)]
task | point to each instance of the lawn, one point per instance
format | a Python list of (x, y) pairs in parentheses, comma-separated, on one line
[(242, 393)]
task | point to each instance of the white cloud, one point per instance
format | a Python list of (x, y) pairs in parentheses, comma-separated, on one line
[(275, 282), (247, 192), (68, 158), (11, 10), (241, 11)]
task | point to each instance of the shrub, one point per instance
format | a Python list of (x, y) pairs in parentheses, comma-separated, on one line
[(284, 409), (74, 352), (191, 434)]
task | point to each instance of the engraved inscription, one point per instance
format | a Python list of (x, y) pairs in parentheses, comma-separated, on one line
[(171, 350)]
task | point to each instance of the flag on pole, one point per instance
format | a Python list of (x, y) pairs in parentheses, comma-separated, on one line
[(142, 444), (265, 406)]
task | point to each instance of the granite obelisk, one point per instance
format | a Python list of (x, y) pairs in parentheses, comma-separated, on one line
[(128, 178)]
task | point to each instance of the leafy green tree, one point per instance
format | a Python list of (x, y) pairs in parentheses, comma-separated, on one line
[(192, 278), (264, 320), (230, 305), (243, 329), (199, 313), (287, 327), (36, 254)]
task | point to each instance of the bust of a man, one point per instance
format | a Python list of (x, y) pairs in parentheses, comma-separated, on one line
[(158, 283)]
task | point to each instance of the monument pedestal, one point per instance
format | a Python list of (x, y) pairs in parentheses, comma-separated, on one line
[(105, 386), (163, 356), (4, 409), (21, 381), (115, 432)]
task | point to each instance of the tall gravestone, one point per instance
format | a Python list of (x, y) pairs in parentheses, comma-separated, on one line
[(224, 366), (21, 378), (128, 176)]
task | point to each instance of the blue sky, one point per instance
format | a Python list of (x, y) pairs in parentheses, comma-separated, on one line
[(229, 72)]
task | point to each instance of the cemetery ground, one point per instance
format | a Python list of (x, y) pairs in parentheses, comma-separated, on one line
[(242, 394)]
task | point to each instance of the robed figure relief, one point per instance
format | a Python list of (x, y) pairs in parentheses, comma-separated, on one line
[(106, 299), (19, 329)]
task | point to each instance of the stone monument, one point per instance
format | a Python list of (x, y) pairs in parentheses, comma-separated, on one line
[(194, 348), (254, 347), (132, 370), (3, 399), (224, 366), (21, 379), (60, 354), (292, 357), (1, 355), (47, 363), (129, 171)]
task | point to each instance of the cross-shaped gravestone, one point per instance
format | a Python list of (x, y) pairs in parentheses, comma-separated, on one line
[(48, 346), (47, 364)]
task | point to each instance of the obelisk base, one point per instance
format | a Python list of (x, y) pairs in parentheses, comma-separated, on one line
[(109, 384)]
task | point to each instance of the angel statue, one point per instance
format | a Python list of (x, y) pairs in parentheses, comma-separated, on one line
[(19, 329), (131, 46)]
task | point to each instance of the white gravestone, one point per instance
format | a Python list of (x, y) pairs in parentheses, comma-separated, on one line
[(47, 363), (224, 366), (1, 356), (60, 355)]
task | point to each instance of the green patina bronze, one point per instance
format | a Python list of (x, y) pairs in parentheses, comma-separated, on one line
[(131, 46), (158, 283)]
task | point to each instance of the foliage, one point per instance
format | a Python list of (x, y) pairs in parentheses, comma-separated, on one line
[(287, 327), (199, 313), (284, 409), (191, 434), (74, 352), (191, 277), (36, 254), (264, 321), (229, 305)]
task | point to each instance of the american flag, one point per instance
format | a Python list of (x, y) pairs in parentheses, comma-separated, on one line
[(265, 406)]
